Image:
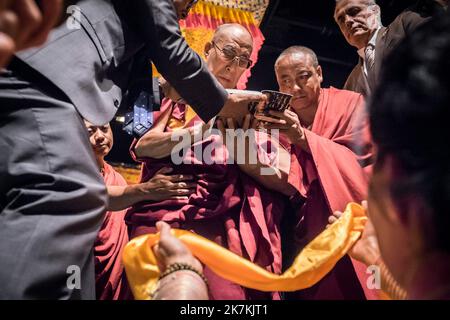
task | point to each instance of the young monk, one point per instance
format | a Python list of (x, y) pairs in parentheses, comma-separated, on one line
[(113, 235)]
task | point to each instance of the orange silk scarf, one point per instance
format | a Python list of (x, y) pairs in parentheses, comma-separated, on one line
[(310, 266)]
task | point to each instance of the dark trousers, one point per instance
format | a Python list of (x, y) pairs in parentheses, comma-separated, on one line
[(52, 197)]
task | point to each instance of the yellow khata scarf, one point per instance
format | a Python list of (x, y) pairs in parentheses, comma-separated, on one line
[(311, 265)]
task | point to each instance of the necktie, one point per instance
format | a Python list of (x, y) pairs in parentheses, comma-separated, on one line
[(369, 53)]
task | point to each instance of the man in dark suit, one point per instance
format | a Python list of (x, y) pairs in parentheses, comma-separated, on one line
[(52, 198), (411, 18), (360, 23)]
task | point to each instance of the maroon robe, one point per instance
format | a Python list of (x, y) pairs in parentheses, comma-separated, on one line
[(328, 178), (228, 207), (110, 280)]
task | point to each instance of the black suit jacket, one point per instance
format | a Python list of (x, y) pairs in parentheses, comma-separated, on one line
[(356, 81), (92, 65), (387, 39)]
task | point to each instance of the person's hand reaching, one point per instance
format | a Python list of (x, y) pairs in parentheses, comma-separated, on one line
[(182, 284), (366, 249), (170, 250)]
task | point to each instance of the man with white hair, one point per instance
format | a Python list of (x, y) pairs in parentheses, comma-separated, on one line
[(360, 23)]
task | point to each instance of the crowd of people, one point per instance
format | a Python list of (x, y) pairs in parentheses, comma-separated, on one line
[(380, 138)]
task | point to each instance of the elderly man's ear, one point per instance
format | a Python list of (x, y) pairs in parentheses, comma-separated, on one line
[(208, 47)]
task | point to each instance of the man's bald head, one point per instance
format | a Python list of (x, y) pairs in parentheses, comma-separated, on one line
[(236, 31), (299, 74), (298, 50), (228, 54)]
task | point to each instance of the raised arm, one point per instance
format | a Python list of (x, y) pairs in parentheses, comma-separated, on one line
[(271, 174), (156, 23), (158, 144)]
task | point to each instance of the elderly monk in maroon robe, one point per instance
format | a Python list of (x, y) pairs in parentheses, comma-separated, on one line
[(227, 203), (330, 148), (110, 280)]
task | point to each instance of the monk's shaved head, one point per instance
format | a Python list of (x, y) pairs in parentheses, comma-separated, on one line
[(237, 31), (228, 54), (297, 50), (299, 74)]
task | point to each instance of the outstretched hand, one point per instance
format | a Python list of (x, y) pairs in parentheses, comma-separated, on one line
[(366, 249), (287, 122), (170, 250), (163, 186)]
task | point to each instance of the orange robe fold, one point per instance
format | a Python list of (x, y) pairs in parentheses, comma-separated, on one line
[(110, 280)]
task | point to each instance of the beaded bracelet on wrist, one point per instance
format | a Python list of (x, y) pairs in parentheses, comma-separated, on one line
[(174, 267)]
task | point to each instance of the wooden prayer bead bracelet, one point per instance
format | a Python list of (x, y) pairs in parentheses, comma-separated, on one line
[(174, 267)]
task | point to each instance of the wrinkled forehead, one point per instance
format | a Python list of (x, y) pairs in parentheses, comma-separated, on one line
[(237, 38), (89, 125), (294, 62), (343, 5)]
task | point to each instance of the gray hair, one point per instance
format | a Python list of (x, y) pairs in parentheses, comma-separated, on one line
[(371, 3)]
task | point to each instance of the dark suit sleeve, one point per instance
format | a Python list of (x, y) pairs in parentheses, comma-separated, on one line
[(355, 81), (156, 23), (405, 24), (412, 20), (419, 13)]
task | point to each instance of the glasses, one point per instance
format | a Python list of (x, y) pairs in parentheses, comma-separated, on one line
[(229, 54)]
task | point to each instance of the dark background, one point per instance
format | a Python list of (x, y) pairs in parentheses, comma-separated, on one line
[(308, 23)]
